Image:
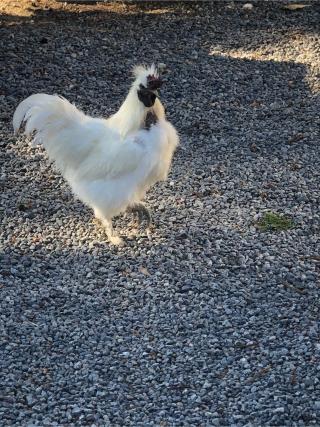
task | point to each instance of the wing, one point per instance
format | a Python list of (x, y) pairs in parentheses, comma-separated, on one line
[(112, 157)]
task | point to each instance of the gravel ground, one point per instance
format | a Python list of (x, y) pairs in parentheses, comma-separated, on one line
[(210, 322)]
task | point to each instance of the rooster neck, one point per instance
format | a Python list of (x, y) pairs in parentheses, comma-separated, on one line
[(130, 115)]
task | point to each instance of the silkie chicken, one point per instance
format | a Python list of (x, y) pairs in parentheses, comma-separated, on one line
[(109, 163)]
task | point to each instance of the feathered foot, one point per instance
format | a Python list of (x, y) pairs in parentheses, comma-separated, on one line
[(113, 237), (142, 212)]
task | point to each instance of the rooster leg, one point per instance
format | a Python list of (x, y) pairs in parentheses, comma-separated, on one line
[(114, 238), (107, 223), (142, 212)]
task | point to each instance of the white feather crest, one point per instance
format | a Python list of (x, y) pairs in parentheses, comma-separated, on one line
[(142, 71)]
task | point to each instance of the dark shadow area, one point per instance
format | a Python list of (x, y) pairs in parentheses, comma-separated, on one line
[(107, 333)]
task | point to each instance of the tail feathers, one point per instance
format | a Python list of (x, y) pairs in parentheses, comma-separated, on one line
[(40, 109), (57, 124), (24, 107)]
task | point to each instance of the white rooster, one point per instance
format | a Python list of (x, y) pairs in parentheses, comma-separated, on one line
[(109, 164)]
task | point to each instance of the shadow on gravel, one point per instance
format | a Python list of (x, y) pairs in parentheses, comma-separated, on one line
[(106, 332)]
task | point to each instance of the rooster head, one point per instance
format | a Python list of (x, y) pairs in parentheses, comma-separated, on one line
[(147, 82)]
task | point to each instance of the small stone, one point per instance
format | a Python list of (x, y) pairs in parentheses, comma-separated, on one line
[(30, 399), (162, 67), (247, 6), (76, 410), (279, 410)]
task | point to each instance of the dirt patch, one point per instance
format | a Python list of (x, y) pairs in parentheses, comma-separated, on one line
[(30, 7)]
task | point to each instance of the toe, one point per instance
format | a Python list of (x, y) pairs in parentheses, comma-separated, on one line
[(116, 240)]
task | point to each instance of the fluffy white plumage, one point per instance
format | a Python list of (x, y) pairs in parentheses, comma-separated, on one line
[(109, 164)]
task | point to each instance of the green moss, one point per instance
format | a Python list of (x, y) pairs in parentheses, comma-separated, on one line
[(274, 222)]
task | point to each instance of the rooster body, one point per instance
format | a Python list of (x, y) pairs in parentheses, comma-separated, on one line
[(109, 164)]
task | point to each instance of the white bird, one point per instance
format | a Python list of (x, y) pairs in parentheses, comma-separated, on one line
[(109, 164)]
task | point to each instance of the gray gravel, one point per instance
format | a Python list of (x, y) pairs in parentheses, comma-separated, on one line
[(209, 321)]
